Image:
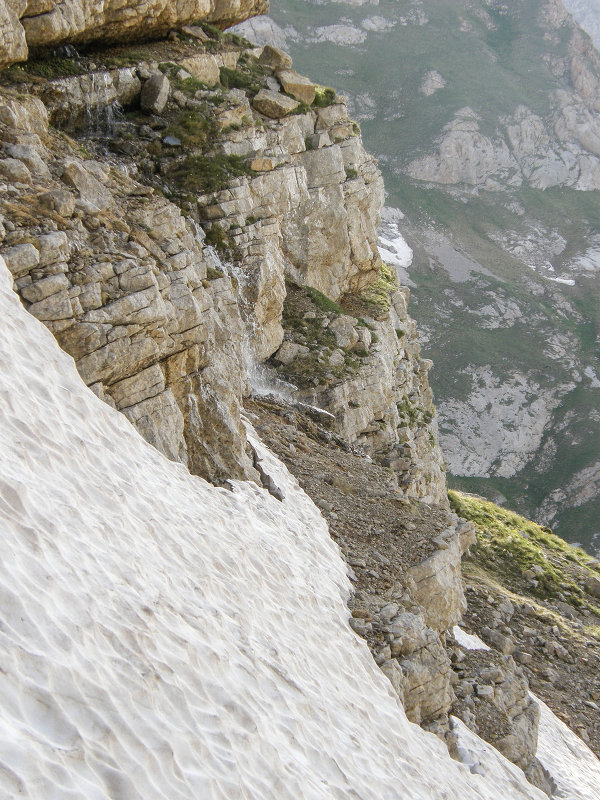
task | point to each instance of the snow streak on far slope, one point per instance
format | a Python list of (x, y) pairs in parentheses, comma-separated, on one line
[(163, 638)]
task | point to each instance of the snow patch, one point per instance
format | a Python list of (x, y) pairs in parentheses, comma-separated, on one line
[(572, 764), (470, 641), (483, 759), (590, 373)]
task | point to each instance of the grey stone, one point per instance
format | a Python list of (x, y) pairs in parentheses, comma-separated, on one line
[(14, 170), (155, 94), (274, 104), (21, 258), (59, 200), (289, 351), (274, 58), (297, 85)]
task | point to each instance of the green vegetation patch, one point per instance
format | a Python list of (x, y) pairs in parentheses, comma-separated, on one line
[(509, 545), (313, 367), (208, 173), (413, 415), (49, 67), (249, 75), (377, 296), (194, 129), (322, 302), (324, 96)]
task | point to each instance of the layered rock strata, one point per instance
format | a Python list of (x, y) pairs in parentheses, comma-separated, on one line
[(123, 278), (48, 23), (124, 282)]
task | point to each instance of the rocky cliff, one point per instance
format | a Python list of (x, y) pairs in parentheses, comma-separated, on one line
[(41, 24), (196, 223)]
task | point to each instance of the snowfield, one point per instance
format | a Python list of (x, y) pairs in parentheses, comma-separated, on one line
[(163, 638)]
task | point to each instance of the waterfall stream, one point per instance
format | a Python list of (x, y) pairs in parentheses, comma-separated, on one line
[(262, 379)]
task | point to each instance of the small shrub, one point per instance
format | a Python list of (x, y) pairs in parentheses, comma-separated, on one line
[(377, 296), (48, 68), (249, 75), (351, 173), (324, 96), (193, 129), (209, 29)]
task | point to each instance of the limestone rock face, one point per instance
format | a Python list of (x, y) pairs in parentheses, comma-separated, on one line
[(13, 46), (382, 402), (312, 224), (438, 582), (505, 714), (121, 278), (560, 149), (82, 100), (46, 24)]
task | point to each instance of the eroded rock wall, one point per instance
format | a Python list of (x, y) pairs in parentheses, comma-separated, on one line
[(42, 24), (122, 279)]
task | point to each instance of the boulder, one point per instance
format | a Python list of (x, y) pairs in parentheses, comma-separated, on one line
[(30, 156), (204, 68), (21, 258), (59, 200), (344, 331), (91, 191), (14, 170), (297, 85), (274, 104), (262, 164), (155, 93), (592, 585), (290, 351), (274, 58)]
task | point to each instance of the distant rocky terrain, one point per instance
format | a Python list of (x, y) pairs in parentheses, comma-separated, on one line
[(487, 131)]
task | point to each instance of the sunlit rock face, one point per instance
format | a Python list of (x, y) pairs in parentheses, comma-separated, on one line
[(48, 23)]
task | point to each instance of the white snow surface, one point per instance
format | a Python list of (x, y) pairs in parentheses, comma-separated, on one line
[(483, 759), (163, 638), (470, 641), (393, 247), (572, 764)]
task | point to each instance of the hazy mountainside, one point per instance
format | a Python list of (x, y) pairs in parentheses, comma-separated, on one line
[(484, 118)]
